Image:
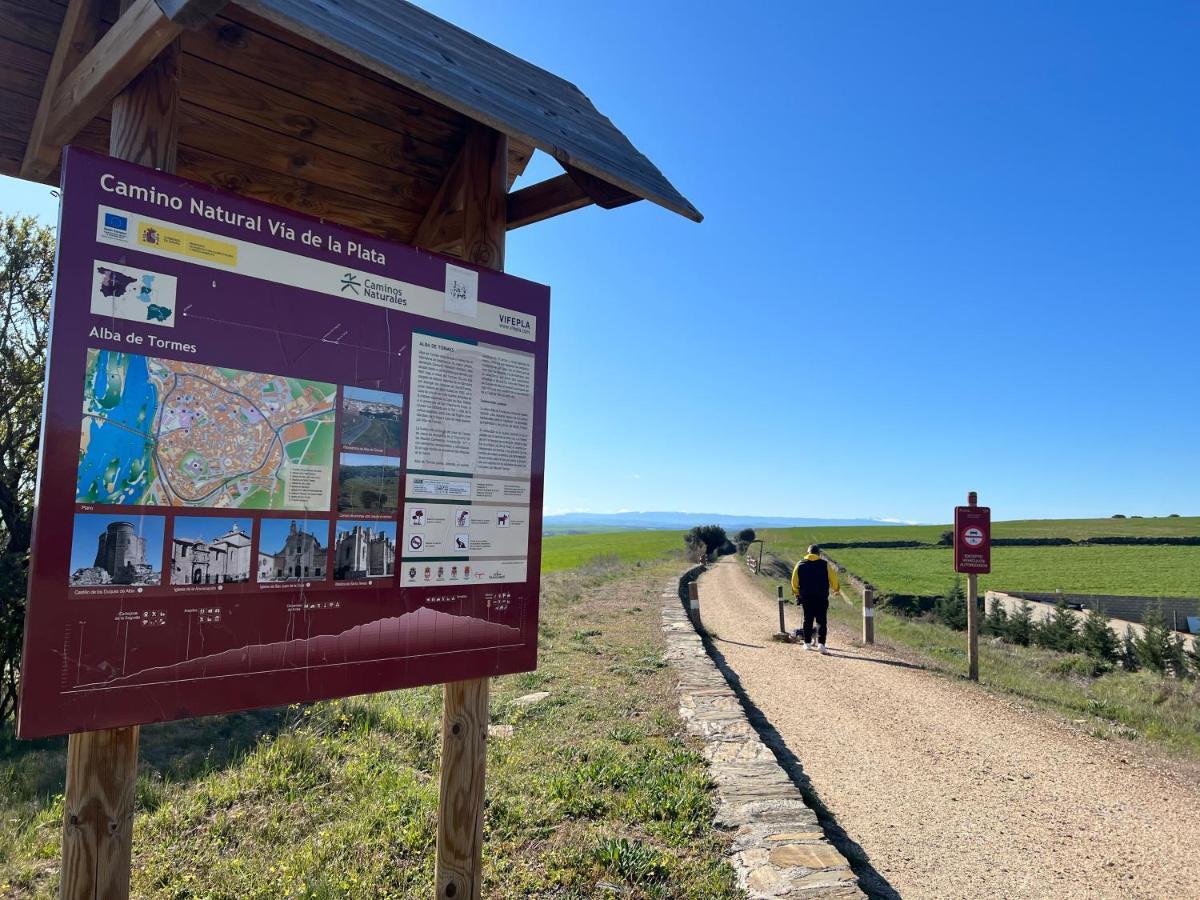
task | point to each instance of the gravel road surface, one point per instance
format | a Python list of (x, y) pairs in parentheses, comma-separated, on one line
[(950, 791)]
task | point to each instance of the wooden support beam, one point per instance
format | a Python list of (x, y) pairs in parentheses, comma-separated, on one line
[(605, 195), (484, 196), (141, 32), (459, 873), (544, 200), (81, 24), (445, 203), (102, 765)]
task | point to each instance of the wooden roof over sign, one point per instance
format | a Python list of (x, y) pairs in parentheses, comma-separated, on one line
[(354, 110)]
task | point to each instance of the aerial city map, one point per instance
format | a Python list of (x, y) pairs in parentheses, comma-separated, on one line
[(160, 432)]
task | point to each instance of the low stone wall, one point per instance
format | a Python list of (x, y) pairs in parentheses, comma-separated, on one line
[(779, 849)]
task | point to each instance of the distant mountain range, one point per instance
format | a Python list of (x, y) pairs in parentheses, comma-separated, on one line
[(675, 521)]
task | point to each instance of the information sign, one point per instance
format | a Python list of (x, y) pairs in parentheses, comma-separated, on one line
[(972, 539), (281, 461)]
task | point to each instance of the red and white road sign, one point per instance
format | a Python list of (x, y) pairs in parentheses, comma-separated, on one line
[(972, 539)]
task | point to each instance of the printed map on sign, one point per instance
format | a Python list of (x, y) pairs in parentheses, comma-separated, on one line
[(171, 433)]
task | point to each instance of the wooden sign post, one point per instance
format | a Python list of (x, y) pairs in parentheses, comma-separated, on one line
[(102, 765), (972, 557), (483, 170)]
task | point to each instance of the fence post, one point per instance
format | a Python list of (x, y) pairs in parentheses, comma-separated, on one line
[(694, 603), (868, 616), (782, 625)]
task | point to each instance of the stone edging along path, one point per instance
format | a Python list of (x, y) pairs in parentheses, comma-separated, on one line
[(779, 849)]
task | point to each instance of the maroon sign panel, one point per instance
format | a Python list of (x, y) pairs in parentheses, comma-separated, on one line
[(972, 539), (281, 461)]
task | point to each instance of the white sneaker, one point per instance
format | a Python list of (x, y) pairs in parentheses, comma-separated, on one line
[(808, 646), (823, 649)]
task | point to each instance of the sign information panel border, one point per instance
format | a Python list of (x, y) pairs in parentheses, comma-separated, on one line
[(282, 461)]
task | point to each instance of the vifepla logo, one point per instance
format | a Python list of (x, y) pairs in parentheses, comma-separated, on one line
[(518, 324)]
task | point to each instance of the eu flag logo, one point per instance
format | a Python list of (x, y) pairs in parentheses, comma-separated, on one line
[(112, 220)]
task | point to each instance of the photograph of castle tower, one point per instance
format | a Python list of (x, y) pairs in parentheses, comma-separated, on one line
[(291, 550), (110, 550), (206, 550), (364, 550), (371, 420)]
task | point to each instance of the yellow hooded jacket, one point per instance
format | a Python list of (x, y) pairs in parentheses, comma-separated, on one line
[(834, 584)]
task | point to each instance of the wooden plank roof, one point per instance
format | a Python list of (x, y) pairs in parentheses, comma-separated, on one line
[(429, 55), (276, 103)]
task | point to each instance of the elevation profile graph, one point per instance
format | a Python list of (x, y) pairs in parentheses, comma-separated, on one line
[(419, 633)]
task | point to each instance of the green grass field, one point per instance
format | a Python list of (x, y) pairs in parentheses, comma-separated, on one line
[(566, 551), (792, 541), (1101, 569), (1104, 569)]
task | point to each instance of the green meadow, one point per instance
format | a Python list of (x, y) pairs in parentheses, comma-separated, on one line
[(1093, 569), (566, 551)]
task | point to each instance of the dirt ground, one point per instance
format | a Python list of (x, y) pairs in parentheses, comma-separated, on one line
[(952, 792)]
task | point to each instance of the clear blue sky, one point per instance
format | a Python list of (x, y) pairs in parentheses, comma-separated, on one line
[(947, 246)]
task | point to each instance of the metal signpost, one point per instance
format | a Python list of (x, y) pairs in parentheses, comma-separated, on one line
[(972, 557)]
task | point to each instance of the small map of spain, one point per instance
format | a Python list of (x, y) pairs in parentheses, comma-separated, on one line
[(121, 292), (169, 433)]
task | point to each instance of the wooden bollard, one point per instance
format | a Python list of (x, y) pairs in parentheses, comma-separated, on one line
[(779, 596), (694, 603), (868, 616)]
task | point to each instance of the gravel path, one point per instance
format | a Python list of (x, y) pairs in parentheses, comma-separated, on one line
[(950, 791)]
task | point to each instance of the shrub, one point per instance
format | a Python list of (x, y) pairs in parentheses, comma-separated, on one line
[(1081, 666), (951, 609), (705, 540), (1153, 647), (1020, 625), (1129, 657), (743, 539), (995, 622), (1059, 631), (1097, 639)]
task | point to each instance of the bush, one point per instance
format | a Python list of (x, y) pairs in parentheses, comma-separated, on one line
[(1153, 648), (1129, 657), (705, 540), (744, 538), (995, 622), (951, 610), (1020, 625), (1081, 666), (1097, 640), (1059, 631)]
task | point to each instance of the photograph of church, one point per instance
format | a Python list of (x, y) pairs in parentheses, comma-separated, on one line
[(291, 550), (205, 550), (364, 550)]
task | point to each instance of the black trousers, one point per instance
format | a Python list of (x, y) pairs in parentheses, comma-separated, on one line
[(819, 610)]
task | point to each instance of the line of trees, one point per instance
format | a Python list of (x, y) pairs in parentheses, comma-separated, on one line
[(26, 272), (1157, 649)]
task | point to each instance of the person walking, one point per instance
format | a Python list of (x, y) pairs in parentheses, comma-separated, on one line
[(813, 580)]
